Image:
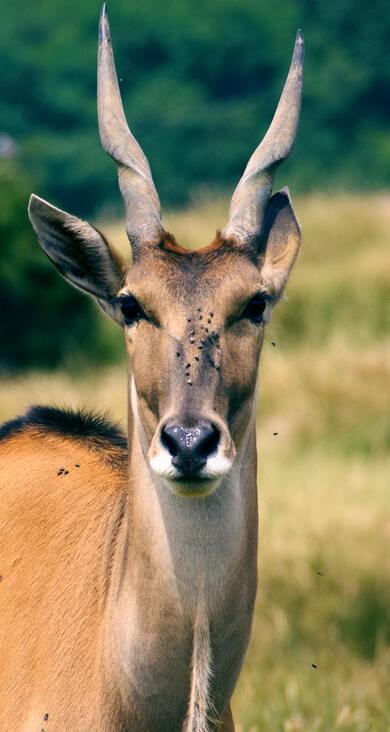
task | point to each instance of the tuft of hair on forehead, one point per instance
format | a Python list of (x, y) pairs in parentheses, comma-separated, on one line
[(169, 244)]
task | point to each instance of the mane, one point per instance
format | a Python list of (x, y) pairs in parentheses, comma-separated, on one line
[(95, 430)]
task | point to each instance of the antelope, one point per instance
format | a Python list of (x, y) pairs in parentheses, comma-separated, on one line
[(128, 566)]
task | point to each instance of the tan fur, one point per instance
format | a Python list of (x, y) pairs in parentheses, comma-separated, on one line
[(201, 670), (57, 541), (128, 592), (61, 558)]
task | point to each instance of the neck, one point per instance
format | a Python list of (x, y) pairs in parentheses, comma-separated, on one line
[(185, 583)]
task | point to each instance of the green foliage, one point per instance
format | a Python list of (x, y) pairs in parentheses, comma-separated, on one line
[(44, 321), (200, 83)]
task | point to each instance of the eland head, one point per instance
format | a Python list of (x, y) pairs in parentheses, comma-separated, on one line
[(193, 320)]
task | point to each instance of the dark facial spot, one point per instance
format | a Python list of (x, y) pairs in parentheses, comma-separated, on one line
[(207, 330), (209, 320), (178, 353), (273, 344), (200, 317), (199, 310), (189, 320), (77, 465), (188, 366), (217, 368), (196, 358), (211, 315), (218, 346), (45, 717), (200, 348)]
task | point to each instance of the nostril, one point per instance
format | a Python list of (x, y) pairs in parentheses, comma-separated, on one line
[(169, 440), (209, 441)]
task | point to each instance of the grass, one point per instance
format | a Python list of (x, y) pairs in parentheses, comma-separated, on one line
[(319, 658)]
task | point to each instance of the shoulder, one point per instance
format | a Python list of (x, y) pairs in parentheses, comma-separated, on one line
[(93, 431)]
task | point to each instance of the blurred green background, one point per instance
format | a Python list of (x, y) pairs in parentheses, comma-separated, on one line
[(200, 82)]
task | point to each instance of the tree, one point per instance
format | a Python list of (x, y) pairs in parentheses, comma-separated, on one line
[(43, 321)]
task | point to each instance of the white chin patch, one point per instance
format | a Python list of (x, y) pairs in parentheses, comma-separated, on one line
[(162, 464), (216, 467)]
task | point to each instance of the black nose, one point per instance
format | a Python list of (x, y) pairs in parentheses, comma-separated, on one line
[(190, 446)]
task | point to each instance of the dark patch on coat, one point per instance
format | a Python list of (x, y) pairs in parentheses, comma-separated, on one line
[(95, 430)]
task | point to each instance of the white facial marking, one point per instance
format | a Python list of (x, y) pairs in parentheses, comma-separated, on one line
[(216, 467), (161, 463)]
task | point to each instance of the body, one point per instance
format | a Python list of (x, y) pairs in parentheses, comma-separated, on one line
[(129, 565), (105, 634)]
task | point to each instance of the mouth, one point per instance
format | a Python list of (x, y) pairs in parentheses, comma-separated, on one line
[(192, 486), (201, 482)]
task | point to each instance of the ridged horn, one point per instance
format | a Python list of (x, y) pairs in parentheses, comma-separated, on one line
[(251, 196), (143, 211)]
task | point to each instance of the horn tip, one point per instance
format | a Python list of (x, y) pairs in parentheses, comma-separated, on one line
[(104, 28), (299, 49)]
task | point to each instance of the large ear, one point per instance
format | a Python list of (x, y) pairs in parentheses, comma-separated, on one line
[(280, 242), (79, 252)]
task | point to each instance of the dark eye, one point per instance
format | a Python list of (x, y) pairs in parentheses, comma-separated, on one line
[(255, 308), (131, 309)]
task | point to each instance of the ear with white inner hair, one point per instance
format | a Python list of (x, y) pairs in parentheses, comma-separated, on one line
[(80, 253), (280, 242)]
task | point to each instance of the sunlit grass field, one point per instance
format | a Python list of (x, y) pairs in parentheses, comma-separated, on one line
[(319, 658)]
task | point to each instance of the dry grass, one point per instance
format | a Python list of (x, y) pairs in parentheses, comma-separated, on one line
[(325, 531)]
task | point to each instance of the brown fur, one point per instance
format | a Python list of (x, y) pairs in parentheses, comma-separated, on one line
[(169, 244), (127, 603), (62, 504)]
